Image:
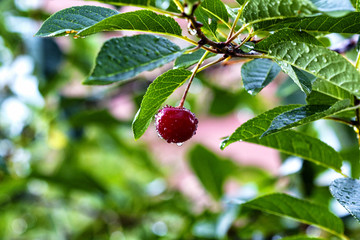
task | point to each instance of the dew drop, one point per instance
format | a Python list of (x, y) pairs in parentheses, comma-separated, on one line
[(315, 60), (192, 31), (180, 144), (307, 49), (209, 21), (162, 4)]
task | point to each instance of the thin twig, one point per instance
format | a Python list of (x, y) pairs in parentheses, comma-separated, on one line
[(212, 63), (245, 26), (240, 11), (234, 25), (245, 40), (191, 79), (340, 120)]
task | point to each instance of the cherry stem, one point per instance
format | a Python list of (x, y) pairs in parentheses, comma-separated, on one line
[(181, 105), (179, 5)]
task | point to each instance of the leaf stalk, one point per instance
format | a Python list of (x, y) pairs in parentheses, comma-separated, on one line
[(195, 70)]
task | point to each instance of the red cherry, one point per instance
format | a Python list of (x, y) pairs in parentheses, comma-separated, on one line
[(175, 125)]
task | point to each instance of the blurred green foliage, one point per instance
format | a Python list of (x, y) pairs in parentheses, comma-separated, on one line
[(70, 170)]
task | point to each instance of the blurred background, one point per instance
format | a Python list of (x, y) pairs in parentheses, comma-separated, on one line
[(70, 168)]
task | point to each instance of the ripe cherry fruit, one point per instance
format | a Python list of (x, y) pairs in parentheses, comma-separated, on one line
[(175, 124)]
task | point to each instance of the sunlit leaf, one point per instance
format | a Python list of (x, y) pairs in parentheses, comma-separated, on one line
[(156, 5), (262, 10), (286, 35), (74, 19), (315, 59), (331, 90), (141, 20), (321, 24)]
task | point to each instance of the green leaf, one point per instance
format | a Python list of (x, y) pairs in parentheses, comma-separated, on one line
[(302, 145), (216, 8), (331, 90), (154, 5), (188, 59), (141, 20), (303, 79), (256, 126), (317, 60), (72, 20), (286, 35), (319, 98), (209, 22), (289, 142), (303, 115), (158, 91), (258, 73), (123, 58), (349, 23), (210, 169), (262, 10), (303, 211), (347, 193)]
